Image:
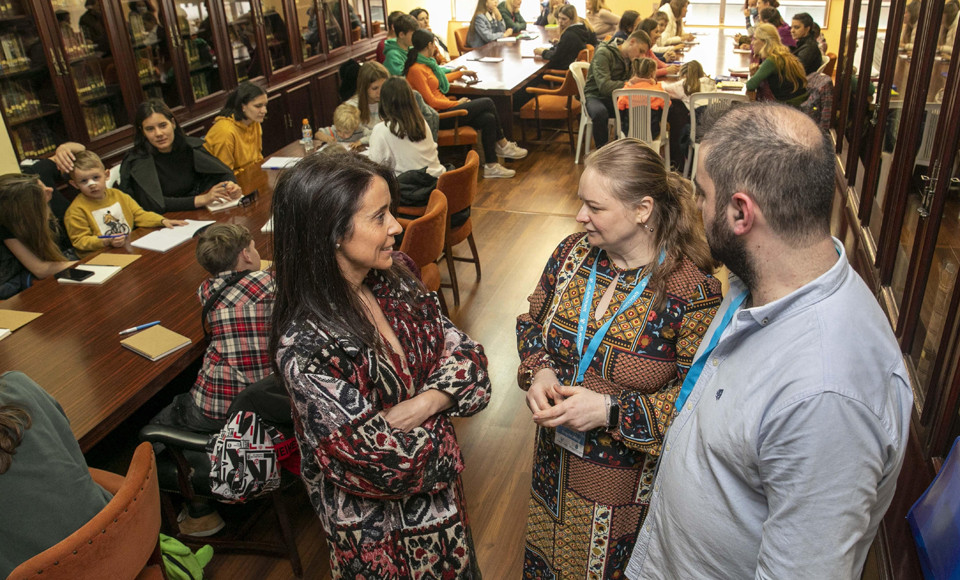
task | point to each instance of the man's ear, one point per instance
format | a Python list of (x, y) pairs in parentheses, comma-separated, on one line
[(742, 213)]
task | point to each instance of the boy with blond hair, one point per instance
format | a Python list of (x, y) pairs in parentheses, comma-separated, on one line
[(346, 128), (102, 216)]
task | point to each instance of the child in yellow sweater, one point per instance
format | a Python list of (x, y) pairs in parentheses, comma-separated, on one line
[(102, 216), (644, 76)]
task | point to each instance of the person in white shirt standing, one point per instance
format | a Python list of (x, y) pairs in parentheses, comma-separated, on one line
[(793, 419)]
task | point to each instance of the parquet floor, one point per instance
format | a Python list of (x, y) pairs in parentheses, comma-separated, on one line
[(517, 223)]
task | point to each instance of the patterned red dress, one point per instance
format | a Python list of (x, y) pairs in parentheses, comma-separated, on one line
[(391, 502), (585, 513)]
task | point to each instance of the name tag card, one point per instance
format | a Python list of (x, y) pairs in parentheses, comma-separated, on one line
[(572, 441)]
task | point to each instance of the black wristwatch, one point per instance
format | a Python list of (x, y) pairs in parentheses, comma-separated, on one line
[(613, 414)]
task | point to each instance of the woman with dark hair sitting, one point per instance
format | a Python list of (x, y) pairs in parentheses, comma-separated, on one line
[(423, 18), (805, 32), (402, 139), (168, 171), (375, 372), (425, 76), (236, 137), (46, 487), (628, 21), (575, 35), (771, 15)]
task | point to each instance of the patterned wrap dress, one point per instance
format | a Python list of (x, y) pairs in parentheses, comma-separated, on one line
[(585, 513), (391, 502)]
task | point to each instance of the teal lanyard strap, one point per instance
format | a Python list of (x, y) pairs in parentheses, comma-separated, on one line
[(697, 367), (587, 355)]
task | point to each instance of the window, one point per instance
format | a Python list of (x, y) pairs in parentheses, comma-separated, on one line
[(730, 12)]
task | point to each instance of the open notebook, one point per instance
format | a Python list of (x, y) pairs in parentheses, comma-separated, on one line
[(167, 238)]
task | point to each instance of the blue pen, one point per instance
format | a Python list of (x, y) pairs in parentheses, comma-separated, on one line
[(141, 327), (111, 236)]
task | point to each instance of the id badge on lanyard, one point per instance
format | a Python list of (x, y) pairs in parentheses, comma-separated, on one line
[(571, 439)]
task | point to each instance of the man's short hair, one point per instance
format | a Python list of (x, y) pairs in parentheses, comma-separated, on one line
[(405, 24), (220, 245), (778, 156), (85, 161), (346, 118), (640, 36), (392, 18)]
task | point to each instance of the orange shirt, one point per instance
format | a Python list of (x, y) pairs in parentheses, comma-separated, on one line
[(422, 79), (655, 103)]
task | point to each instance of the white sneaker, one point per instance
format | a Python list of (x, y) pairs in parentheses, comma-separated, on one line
[(495, 170), (511, 151)]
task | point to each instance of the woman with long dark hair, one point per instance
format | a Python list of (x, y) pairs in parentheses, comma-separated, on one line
[(402, 139), (771, 15), (575, 35), (375, 372), (29, 233), (168, 171), (236, 137), (425, 76), (805, 32), (613, 326)]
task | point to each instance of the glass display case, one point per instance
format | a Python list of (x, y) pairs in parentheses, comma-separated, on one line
[(196, 37)]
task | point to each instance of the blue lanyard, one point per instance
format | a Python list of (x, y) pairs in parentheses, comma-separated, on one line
[(697, 367), (587, 356)]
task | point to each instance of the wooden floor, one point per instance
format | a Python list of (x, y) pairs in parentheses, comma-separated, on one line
[(517, 223)]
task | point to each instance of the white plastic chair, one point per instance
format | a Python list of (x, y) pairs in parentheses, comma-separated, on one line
[(113, 176), (713, 102), (640, 125), (931, 119), (826, 61), (579, 71)]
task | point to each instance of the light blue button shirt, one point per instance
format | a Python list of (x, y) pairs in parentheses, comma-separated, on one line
[(785, 457)]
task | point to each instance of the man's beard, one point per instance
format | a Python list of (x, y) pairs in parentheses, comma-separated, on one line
[(731, 250)]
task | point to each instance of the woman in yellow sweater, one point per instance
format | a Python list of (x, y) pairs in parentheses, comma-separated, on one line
[(425, 76), (236, 137)]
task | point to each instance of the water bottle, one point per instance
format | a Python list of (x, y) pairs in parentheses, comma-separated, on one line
[(307, 139)]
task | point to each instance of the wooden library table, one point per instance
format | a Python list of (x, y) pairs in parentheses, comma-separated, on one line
[(501, 80), (73, 351)]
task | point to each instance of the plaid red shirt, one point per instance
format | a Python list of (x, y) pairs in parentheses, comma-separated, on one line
[(238, 354)]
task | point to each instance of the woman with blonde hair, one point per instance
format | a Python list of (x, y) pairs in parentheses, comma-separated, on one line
[(370, 80), (27, 228), (601, 19), (781, 70), (548, 12), (613, 326)]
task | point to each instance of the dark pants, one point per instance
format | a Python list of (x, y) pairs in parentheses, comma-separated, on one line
[(183, 413), (482, 116), (600, 111)]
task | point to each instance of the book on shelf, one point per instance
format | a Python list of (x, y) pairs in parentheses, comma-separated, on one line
[(155, 342)]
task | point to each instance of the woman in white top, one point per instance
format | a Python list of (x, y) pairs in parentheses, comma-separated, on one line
[(675, 10), (402, 139), (601, 19)]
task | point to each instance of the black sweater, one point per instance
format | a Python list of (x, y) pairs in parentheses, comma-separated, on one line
[(808, 53), (574, 39)]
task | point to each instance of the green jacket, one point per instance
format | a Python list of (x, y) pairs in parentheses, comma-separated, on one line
[(394, 57), (609, 70), (514, 21)]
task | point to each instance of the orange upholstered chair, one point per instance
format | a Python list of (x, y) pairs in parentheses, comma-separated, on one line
[(585, 55), (460, 187), (460, 36), (552, 105), (122, 541), (423, 241), (458, 136)]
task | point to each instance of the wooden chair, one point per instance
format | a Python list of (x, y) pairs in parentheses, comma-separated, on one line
[(460, 188), (552, 105), (585, 55), (423, 240), (122, 541), (460, 36), (714, 102), (458, 136), (640, 124)]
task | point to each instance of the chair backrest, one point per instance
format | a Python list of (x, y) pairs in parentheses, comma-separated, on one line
[(930, 121), (460, 36), (824, 63), (831, 63), (460, 185), (423, 238), (586, 55), (120, 540), (113, 176), (934, 521), (640, 124), (715, 105), (580, 70)]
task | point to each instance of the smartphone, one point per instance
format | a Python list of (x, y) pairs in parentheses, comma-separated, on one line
[(73, 274)]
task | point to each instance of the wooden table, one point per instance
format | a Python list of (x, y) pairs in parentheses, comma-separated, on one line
[(501, 80), (714, 51), (73, 351)]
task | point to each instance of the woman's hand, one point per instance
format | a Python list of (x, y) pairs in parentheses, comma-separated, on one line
[(543, 390), (411, 413), (670, 55), (463, 100), (753, 68), (323, 136), (469, 73), (673, 69), (581, 409), (538, 51), (64, 156), (688, 37), (168, 223)]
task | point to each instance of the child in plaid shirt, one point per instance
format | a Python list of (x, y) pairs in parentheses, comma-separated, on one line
[(237, 306)]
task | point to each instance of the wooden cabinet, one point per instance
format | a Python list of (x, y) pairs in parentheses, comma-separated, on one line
[(897, 142), (77, 69)]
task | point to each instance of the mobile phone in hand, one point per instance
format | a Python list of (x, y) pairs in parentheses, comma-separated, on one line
[(73, 274)]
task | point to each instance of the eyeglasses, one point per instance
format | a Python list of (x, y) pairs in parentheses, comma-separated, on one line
[(249, 198)]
